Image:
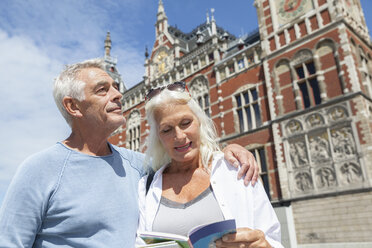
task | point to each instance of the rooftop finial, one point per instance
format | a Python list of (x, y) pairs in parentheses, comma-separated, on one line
[(161, 6), (212, 14), (207, 17), (108, 44), (146, 52), (161, 11)]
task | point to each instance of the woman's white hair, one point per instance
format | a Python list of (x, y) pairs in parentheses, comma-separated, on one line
[(155, 151), (67, 84)]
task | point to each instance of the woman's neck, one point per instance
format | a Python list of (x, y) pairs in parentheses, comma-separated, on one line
[(184, 166)]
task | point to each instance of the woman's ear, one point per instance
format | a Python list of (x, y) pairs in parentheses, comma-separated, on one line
[(72, 106)]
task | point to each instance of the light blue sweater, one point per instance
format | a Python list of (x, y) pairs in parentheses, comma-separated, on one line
[(60, 197)]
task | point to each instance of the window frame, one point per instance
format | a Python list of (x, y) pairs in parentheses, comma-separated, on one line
[(248, 108), (260, 155), (308, 82)]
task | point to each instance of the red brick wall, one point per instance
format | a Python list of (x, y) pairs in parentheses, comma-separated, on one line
[(302, 27), (321, 2), (314, 23), (292, 34), (326, 17)]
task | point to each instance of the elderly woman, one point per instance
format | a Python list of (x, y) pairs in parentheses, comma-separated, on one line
[(192, 184)]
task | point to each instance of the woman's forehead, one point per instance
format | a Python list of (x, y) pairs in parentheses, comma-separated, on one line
[(170, 110)]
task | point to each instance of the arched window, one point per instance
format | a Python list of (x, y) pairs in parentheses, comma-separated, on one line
[(200, 92), (365, 71), (305, 76), (134, 131)]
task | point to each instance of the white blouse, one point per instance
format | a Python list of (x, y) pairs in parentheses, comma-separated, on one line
[(248, 205)]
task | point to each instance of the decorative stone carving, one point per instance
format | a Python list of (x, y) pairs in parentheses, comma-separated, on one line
[(319, 148), (343, 142), (199, 86), (351, 173), (337, 113), (322, 151), (294, 126), (134, 119), (301, 57), (325, 177), (314, 120), (298, 153), (303, 181)]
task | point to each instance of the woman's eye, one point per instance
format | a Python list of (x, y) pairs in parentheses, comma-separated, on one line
[(165, 130), (185, 123)]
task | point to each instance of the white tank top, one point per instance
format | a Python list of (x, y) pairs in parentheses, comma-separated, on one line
[(179, 218)]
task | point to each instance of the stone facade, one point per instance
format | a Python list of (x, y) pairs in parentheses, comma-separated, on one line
[(334, 219)]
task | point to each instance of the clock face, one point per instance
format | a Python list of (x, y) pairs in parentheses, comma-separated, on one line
[(290, 9), (162, 62)]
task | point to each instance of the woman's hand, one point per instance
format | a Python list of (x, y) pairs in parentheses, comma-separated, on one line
[(238, 155), (244, 238)]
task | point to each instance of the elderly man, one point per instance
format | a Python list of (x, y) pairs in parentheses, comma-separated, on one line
[(81, 192)]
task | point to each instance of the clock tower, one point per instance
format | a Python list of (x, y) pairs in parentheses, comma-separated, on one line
[(315, 53), (161, 60)]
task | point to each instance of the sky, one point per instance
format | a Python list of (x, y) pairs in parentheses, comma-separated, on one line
[(38, 37)]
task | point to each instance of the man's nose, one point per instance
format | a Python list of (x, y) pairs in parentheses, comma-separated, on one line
[(116, 95)]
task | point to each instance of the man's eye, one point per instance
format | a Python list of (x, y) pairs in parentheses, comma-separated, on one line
[(100, 90)]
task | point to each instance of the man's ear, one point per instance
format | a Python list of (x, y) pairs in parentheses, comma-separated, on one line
[(72, 107)]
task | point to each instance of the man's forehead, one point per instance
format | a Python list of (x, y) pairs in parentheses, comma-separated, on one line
[(94, 74)]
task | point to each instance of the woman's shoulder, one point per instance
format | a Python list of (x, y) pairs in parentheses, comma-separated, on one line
[(220, 163)]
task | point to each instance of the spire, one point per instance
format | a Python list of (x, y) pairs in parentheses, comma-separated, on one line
[(161, 11), (108, 44), (213, 23), (162, 20), (207, 17)]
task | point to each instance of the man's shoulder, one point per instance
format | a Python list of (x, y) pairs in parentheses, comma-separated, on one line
[(135, 159), (43, 167), (48, 157), (128, 154)]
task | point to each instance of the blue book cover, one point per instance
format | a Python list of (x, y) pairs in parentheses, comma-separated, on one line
[(205, 236), (202, 236)]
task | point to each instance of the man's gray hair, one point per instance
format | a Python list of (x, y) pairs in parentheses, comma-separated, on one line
[(67, 84), (155, 151)]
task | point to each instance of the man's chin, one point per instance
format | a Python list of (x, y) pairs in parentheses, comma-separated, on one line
[(121, 121), (116, 123)]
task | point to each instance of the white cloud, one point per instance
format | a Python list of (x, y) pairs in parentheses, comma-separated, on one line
[(130, 65), (33, 47), (29, 119)]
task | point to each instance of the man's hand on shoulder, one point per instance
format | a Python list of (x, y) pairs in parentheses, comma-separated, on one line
[(239, 156)]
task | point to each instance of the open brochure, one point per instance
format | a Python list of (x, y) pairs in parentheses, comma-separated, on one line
[(199, 237)]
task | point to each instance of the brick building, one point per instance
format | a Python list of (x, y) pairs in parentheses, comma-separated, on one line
[(297, 93)]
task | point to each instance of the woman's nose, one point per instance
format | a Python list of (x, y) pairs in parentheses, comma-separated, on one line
[(180, 134)]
